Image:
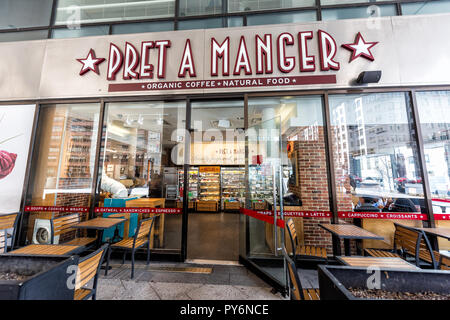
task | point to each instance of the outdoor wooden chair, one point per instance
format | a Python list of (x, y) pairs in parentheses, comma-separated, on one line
[(88, 269), (409, 242), (304, 252), (444, 263), (3, 241), (62, 225), (140, 239), (8, 221), (297, 292)]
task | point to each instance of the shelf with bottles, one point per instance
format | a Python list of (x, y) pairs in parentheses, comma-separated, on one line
[(209, 184), (193, 184), (260, 183), (233, 187)]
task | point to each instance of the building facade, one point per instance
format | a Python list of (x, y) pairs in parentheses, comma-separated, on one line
[(226, 118)]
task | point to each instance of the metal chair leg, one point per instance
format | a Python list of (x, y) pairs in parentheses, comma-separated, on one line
[(132, 264), (107, 261), (148, 253)]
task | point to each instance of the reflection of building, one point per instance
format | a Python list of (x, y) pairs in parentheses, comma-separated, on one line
[(373, 137)]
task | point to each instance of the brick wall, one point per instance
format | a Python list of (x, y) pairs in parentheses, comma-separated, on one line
[(313, 187)]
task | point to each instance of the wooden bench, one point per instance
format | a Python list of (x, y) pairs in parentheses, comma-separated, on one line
[(409, 242), (444, 263), (141, 238), (297, 292), (8, 221), (3, 241), (88, 268), (304, 252), (63, 225)]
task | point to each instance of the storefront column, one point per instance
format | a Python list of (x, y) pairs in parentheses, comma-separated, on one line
[(330, 172), (430, 223)]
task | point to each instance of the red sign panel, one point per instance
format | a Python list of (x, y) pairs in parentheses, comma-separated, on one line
[(138, 210), (223, 83), (55, 209)]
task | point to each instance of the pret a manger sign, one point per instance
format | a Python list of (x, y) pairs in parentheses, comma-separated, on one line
[(258, 60)]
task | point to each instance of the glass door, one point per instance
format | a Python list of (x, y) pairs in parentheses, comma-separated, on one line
[(262, 216)]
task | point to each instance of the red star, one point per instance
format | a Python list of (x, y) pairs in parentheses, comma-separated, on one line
[(360, 48), (91, 62)]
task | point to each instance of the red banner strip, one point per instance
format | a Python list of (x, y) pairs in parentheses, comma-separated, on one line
[(383, 215), (223, 83), (441, 216), (266, 216), (55, 209), (441, 200), (138, 210)]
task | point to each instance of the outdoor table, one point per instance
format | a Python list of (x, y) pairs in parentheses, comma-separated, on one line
[(438, 232), (349, 232), (380, 262), (46, 250), (99, 224)]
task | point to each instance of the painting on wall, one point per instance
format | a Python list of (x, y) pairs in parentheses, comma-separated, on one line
[(16, 123)]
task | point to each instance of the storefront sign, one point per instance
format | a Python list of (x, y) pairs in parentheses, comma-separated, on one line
[(237, 60)]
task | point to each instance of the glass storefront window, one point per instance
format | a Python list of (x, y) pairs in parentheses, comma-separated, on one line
[(338, 2), (434, 114), (279, 18), (359, 12), (426, 7), (25, 13), (80, 32), (142, 27), (141, 158), (235, 22), (24, 36), (200, 7), (64, 158), (376, 159), (71, 12), (200, 23), (16, 126), (251, 5)]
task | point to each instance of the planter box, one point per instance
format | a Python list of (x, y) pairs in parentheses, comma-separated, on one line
[(46, 277), (334, 281)]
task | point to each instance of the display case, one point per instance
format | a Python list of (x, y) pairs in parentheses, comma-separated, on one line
[(233, 188), (208, 189), (261, 186), (193, 186)]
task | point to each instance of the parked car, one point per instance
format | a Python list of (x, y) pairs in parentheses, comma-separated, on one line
[(407, 205)]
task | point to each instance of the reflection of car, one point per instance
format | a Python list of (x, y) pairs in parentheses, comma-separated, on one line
[(370, 184), (400, 180), (439, 185), (408, 205)]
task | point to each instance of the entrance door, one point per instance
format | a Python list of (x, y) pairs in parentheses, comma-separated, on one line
[(262, 216), (216, 179)]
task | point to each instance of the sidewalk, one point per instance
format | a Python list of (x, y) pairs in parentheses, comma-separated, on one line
[(182, 281)]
